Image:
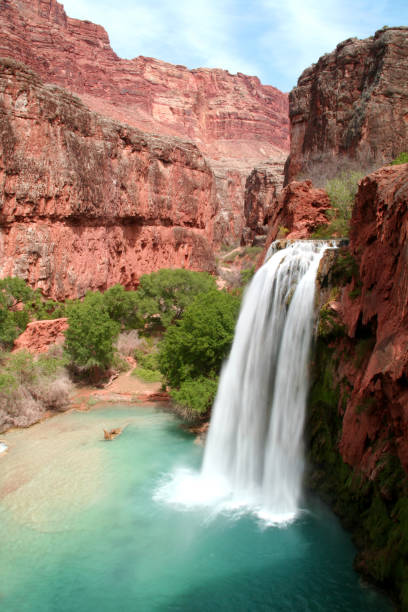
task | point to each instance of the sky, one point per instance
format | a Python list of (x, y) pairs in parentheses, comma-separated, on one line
[(272, 39)]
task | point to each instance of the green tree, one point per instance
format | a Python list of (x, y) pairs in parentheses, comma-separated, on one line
[(198, 343), (163, 296), (90, 335), (122, 306)]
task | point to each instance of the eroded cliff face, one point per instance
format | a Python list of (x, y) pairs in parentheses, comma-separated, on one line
[(235, 120), (353, 102), (87, 202), (358, 414), (262, 189), (298, 211)]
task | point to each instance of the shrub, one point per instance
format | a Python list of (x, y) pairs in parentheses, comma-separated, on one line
[(198, 343), (196, 396), (246, 275), (30, 385), (147, 375), (402, 158), (341, 190), (128, 342), (148, 360)]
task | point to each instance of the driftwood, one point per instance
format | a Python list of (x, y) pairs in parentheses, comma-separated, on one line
[(112, 433)]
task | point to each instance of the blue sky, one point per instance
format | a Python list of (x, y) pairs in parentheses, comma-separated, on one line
[(273, 39)]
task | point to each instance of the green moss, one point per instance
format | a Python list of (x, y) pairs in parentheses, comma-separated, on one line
[(344, 268), (329, 326)]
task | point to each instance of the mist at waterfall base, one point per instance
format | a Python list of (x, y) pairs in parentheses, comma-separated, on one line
[(254, 451)]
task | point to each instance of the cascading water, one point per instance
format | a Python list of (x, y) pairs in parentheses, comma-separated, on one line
[(255, 443), (254, 450)]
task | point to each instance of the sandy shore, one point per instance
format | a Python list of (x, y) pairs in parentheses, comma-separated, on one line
[(124, 388)]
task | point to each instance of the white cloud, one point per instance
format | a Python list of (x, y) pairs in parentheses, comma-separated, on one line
[(191, 32), (273, 39), (303, 30)]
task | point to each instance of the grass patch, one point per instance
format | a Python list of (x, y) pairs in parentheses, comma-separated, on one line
[(147, 375)]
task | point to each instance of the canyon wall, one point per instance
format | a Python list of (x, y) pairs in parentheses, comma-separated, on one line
[(235, 120), (358, 407), (353, 103), (262, 189), (87, 202)]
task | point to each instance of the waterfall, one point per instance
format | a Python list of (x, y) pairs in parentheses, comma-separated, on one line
[(254, 449)]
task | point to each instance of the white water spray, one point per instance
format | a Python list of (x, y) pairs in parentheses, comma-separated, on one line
[(254, 451), (255, 441)]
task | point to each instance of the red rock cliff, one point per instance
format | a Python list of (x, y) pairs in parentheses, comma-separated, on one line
[(353, 102), (87, 202), (234, 119), (378, 406), (358, 405)]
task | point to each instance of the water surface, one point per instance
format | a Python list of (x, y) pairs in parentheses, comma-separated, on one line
[(82, 528)]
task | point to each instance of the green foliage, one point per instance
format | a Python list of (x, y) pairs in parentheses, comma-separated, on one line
[(197, 395), (148, 360), (345, 269), (329, 326), (341, 190), (121, 305), (246, 275), (402, 158), (147, 375), (89, 338), (18, 305), (283, 231), (198, 343), (163, 296)]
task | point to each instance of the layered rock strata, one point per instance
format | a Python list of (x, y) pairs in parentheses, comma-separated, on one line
[(87, 202), (352, 103), (358, 414), (235, 120)]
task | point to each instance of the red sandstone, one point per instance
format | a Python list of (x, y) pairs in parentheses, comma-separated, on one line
[(40, 335), (235, 120)]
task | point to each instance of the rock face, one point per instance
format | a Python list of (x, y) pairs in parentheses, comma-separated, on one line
[(358, 409), (378, 406), (353, 102), (234, 119), (40, 335), (262, 188), (298, 211), (87, 202)]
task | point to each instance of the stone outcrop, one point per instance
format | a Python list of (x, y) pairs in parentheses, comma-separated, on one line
[(352, 103), (298, 211), (262, 188), (235, 120), (358, 412), (40, 335), (87, 202)]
